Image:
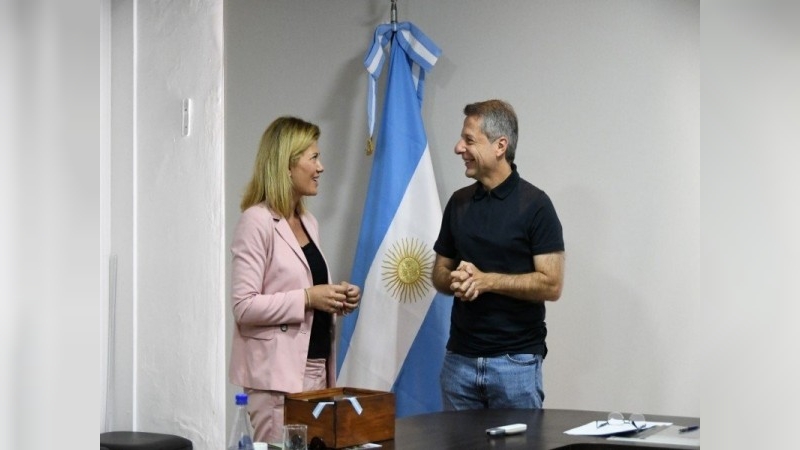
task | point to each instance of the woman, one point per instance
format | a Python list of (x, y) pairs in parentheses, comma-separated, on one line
[(284, 303)]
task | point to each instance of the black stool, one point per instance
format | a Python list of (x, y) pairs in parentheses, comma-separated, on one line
[(138, 440)]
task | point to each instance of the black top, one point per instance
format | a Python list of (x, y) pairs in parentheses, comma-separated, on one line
[(320, 345), (499, 231)]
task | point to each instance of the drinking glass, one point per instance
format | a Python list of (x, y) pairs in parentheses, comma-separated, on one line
[(294, 436)]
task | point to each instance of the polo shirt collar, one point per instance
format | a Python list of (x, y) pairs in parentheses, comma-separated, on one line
[(502, 190)]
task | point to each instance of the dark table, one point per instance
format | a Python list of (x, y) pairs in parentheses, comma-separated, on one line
[(466, 430)]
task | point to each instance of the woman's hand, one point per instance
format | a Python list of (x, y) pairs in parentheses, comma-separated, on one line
[(327, 297), (352, 297)]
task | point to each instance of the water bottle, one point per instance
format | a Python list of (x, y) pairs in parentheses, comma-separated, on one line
[(241, 437)]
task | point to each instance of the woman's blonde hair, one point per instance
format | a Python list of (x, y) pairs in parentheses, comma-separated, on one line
[(284, 140)]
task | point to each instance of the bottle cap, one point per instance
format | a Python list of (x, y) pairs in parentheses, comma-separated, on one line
[(241, 398)]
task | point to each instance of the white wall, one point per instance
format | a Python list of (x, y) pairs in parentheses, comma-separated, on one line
[(607, 95), (751, 218), (167, 219), (51, 226)]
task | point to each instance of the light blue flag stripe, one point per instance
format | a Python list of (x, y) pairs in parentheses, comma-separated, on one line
[(417, 386), (401, 155)]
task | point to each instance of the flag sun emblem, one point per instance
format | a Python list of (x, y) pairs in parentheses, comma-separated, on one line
[(407, 270)]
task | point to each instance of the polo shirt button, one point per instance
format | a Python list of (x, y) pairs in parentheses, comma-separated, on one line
[(284, 327)]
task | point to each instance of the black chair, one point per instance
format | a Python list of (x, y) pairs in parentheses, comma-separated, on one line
[(138, 440)]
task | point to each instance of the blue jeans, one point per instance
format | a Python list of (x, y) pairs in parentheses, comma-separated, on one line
[(507, 381)]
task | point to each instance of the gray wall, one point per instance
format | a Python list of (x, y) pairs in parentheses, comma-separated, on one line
[(607, 95)]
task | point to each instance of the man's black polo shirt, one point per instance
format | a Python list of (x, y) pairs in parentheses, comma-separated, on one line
[(499, 231)]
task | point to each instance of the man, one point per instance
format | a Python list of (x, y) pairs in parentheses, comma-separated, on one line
[(500, 253)]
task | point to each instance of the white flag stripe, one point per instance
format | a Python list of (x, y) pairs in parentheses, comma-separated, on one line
[(419, 48), (380, 345), (415, 70), (376, 61)]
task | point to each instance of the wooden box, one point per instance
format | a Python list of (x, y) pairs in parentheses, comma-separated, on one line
[(338, 423)]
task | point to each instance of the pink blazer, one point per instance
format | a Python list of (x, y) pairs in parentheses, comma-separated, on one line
[(269, 273)]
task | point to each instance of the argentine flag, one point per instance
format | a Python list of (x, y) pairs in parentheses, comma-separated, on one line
[(396, 341)]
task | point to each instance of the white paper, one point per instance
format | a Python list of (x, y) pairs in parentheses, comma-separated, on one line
[(591, 428), (670, 435)]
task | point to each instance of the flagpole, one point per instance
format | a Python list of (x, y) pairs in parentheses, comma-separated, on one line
[(394, 15)]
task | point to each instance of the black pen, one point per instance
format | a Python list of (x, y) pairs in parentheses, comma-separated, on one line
[(688, 429)]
